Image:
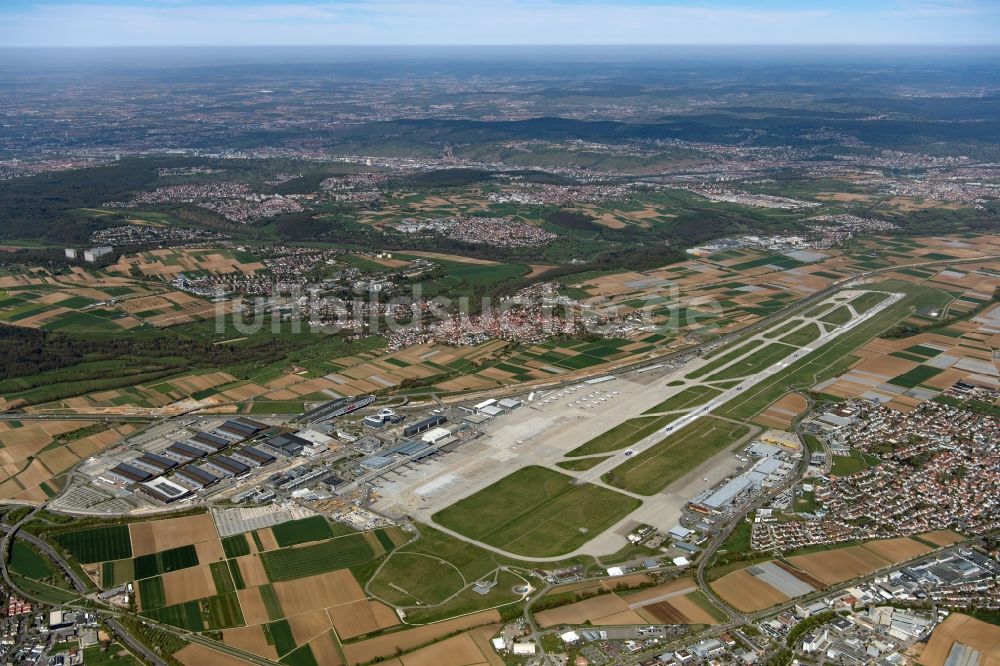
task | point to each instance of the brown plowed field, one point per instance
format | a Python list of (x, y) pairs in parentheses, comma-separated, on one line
[(588, 610), (385, 646), (254, 611), (746, 593), (840, 564), (318, 592), (361, 617), (251, 639), (967, 631), (188, 585), (156, 535)]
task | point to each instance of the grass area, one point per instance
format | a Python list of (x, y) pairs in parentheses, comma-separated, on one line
[(754, 363), (339, 553), (469, 601), (622, 435), (738, 540), (851, 464), (41, 591), (655, 468), (867, 301), (813, 445), (537, 512), (97, 544), (114, 655), (687, 399), (26, 560), (581, 464), (432, 568)]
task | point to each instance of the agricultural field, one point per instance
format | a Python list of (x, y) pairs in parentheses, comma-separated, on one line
[(285, 592), (537, 512), (675, 602), (652, 470), (932, 349), (959, 628), (35, 455), (166, 264), (767, 584)]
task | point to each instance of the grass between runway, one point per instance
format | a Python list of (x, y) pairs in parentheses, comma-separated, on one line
[(689, 398), (537, 512), (622, 435), (802, 336), (756, 362), (663, 463)]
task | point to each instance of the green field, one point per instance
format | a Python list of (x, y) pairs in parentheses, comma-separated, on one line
[(166, 561), (622, 435), (537, 512), (115, 655), (280, 634), (339, 553), (313, 528), (236, 545), (689, 398), (221, 577), (97, 544), (151, 593), (851, 464), (271, 603), (655, 468), (301, 656), (916, 376), (185, 616)]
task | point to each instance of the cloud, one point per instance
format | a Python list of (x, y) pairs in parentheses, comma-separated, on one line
[(401, 22)]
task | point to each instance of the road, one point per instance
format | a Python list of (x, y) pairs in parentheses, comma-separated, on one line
[(13, 531)]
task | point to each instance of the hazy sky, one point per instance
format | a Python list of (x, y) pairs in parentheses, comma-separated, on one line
[(408, 22)]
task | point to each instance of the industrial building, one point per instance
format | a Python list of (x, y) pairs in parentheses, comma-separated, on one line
[(183, 453), (195, 477), (424, 425), (163, 490), (125, 473), (242, 427), (287, 444)]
